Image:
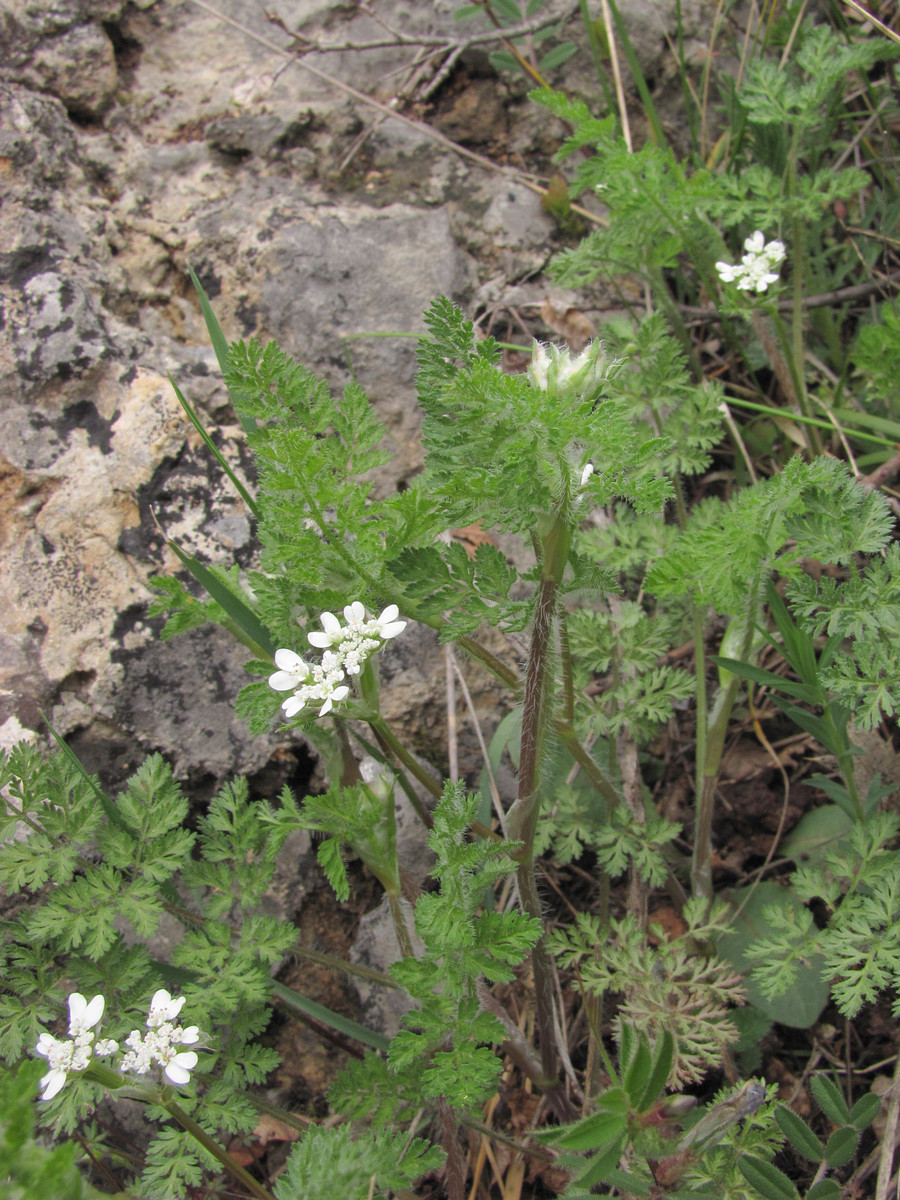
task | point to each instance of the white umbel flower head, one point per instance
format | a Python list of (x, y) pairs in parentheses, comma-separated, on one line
[(555, 370), (757, 269), (345, 650), (66, 1057), (160, 1046)]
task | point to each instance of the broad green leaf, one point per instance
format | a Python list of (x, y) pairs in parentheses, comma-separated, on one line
[(637, 1072), (801, 1006), (292, 999), (219, 343), (830, 1099), (593, 1132), (194, 419), (825, 1189), (766, 1178), (817, 831), (841, 1146), (603, 1163), (663, 1053), (799, 1134), (557, 56), (765, 678), (246, 620), (864, 1111)]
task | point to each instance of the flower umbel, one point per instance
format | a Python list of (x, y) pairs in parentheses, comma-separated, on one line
[(65, 1057), (345, 649), (160, 1046), (756, 270)]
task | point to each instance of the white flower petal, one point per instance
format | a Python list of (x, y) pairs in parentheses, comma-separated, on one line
[(320, 640), (45, 1044), (190, 1035), (77, 1006), (587, 473), (330, 623), (83, 1015), (755, 243), (52, 1083), (390, 614), (163, 1007), (289, 660), (391, 630), (293, 705), (355, 613), (283, 681), (179, 1069)]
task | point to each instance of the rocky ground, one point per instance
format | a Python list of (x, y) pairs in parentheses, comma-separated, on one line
[(137, 138)]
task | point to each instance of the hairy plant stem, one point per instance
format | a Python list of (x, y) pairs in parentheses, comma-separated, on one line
[(401, 928), (392, 746), (456, 1161), (708, 765), (797, 359), (395, 749), (190, 1126), (516, 1046), (523, 815)]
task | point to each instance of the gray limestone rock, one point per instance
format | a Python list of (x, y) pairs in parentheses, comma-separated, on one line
[(78, 67), (312, 220)]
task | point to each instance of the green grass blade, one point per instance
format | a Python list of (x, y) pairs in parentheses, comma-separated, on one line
[(247, 626), (656, 129), (846, 417), (106, 802), (177, 977), (220, 345), (325, 1016), (191, 414)]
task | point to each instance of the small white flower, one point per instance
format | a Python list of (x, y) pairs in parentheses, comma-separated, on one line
[(178, 1068), (105, 1047), (355, 614), (587, 473), (65, 1057), (335, 696), (757, 268), (387, 626), (83, 1015), (332, 635), (163, 1008), (293, 671)]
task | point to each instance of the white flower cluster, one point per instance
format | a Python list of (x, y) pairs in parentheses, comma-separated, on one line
[(160, 1046), (556, 370), (74, 1055), (757, 269), (345, 649)]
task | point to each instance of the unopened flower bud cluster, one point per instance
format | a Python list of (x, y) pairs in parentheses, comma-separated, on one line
[(345, 649), (555, 370), (160, 1047)]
